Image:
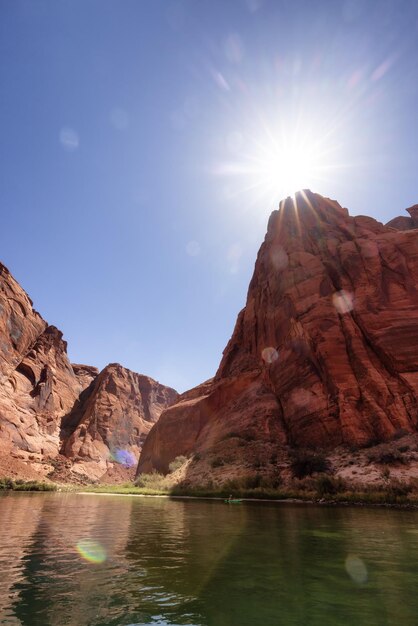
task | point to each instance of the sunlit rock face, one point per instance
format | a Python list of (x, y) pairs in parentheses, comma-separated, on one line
[(54, 414), (38, 384), (406, 223), (112, 419), (325, 351)]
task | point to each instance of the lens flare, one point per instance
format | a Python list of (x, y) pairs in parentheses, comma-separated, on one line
[(269, 355), (123, 457), (279, 258), (193, 248), (301, 397), (91, 551), (69, 139), (343, 301), (356, 569)]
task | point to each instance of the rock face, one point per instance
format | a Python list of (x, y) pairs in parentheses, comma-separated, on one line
[(406, 223), (114, 414), (37, 382), (324, 353), (53, 412)]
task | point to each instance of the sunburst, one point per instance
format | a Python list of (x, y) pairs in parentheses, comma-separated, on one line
[(277, 163)]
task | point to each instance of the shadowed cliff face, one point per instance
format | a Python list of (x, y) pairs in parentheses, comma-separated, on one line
[(56, 415), (325, 351)]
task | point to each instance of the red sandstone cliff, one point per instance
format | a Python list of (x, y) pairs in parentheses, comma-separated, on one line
[(406, 223), (55, 414), (114, 415), (37, 383), (325, 351)]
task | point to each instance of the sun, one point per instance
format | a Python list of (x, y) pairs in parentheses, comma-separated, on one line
[(277, 162), (288, 169)]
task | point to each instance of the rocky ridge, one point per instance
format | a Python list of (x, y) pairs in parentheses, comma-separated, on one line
[(324, 354), (60, 419)]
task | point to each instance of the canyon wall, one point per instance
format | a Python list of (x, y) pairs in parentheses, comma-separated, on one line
[(61, 419), (325, 352)]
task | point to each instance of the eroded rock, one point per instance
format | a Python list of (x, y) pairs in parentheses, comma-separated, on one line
[(113, 419), (61, 418), (325, 352)]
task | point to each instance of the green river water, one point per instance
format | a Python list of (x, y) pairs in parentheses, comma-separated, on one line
[(161, 561)]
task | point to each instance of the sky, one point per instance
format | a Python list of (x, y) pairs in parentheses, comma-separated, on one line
[(144, 144)]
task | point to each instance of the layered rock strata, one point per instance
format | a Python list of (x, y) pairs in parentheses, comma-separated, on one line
[(325, 352), (406, 223), (113, 415), (54, 413)]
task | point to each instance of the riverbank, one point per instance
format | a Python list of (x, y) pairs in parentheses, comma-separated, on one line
[(317, 488), (387, 498), (383, 497)]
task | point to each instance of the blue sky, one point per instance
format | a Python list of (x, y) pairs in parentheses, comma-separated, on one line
[(135, 140)]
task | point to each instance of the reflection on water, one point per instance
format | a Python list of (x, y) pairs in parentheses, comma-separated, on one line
[(154, 561)]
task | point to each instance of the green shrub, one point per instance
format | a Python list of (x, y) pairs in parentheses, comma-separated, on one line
[(328, 485), (307, 463), (386, 455), (386, 473), (22, 485), (178, 462), (34, 485), (252, 481), (6, 483), (217, 462), (154, 481), (257, 463), (398, 489)]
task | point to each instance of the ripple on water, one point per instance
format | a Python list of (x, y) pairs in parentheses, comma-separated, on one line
[(203, 564)]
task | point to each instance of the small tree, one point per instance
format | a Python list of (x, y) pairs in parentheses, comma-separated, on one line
[(308, 463), (178, 462)]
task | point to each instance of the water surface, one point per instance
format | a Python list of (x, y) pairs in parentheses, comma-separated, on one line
[(203, 563)]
